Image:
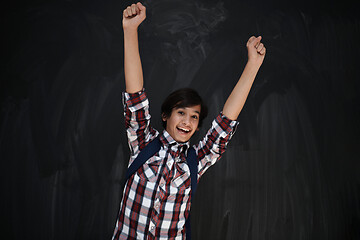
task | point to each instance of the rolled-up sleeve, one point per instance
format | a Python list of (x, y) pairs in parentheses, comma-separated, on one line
[(137, 121), (213, 145)]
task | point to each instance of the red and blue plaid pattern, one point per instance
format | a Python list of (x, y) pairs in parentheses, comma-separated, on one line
[(156, 199)]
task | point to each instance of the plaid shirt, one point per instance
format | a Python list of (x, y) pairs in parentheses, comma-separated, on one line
[(156, 199)]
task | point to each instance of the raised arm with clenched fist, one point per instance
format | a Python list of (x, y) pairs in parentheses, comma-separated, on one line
[(133, 16)]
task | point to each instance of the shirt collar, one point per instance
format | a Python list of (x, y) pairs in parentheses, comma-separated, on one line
[(168, 140)]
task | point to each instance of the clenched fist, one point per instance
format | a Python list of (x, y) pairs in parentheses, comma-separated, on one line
[(133, 16), (256, 50)]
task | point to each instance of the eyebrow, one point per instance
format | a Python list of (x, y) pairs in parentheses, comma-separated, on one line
[(186, 107)]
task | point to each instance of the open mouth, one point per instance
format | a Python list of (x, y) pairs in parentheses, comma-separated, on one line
[(183, 130)]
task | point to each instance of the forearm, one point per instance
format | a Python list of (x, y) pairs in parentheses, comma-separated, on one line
[(238, 96), (132, 62)]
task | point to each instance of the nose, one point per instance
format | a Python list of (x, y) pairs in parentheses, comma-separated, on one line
[(186, 119)]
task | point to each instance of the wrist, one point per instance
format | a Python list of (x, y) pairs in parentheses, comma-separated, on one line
[(130, 29), (253, 64)]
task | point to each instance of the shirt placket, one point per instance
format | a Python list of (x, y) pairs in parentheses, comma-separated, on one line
[(161, 192)]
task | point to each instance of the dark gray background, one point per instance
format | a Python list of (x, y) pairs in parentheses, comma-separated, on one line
[(291, 170)]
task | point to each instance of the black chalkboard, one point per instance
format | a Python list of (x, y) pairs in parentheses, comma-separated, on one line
[(291, 170)]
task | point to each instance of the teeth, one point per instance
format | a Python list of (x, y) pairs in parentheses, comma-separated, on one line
[(185, 130)]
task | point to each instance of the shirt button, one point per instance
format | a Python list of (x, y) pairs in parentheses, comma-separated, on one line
[(161, 184), (169, 164), (152, 228)]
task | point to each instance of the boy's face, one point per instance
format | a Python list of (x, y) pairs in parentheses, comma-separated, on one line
[(183, 122)]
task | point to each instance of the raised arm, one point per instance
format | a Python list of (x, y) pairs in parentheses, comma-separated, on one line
[(132, 17), (237, 98)]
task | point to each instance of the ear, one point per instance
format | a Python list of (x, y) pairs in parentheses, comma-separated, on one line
[(163, 117)]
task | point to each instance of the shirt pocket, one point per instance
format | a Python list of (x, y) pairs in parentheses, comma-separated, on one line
[(149, 170), (181, 185)]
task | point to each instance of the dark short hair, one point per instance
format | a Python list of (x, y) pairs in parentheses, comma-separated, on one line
[(181, 98)]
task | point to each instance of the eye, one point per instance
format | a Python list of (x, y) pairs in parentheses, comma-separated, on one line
[(181, 112), (195, 117)]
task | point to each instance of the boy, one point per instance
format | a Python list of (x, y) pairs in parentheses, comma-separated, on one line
[(157, 197)]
